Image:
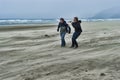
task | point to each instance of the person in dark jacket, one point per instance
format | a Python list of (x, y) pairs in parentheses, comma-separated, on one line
[(62, 27), (77, 26)]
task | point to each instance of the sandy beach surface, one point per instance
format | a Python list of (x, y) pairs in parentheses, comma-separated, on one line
[(34, 53)]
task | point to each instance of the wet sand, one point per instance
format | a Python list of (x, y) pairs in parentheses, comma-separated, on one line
[(35, 54)]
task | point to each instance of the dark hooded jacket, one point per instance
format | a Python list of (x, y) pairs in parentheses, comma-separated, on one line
[(77, 26), (62, 27)]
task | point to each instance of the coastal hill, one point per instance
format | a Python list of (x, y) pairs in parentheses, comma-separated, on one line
[(111, 13)]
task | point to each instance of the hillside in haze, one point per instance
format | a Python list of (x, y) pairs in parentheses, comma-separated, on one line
[(111, 13)]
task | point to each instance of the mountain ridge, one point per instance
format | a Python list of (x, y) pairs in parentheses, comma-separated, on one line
[(111, 13)]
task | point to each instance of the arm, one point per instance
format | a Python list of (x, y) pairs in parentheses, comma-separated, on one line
[(58, 27), (73, 24), (66, 25)]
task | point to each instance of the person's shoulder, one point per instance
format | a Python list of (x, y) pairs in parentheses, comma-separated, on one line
[(65, 23), (59, 23)]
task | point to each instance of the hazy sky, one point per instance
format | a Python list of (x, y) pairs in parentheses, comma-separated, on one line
[(53, 8)]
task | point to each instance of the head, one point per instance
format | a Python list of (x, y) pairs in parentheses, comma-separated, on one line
[(62, 20), (77, 20)]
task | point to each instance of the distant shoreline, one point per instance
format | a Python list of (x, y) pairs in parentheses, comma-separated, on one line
[(42, 26), (23, 27), (22, 22)]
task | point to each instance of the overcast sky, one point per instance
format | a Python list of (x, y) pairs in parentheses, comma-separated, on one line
[(53, 8)]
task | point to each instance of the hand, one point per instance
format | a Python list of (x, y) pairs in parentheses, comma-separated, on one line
[(57, 30)]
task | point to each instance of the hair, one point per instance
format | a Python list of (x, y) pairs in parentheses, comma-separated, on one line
[(80, 21), (62, 19), (76, 18)]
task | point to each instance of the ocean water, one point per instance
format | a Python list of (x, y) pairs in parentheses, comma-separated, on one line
[(42, 21), (26, 21)]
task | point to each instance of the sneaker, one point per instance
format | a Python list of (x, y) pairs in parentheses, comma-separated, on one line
[(62, 46), (76, 47), (72, 47)]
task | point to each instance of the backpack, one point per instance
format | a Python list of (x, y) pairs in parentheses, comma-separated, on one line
[(63, 29)]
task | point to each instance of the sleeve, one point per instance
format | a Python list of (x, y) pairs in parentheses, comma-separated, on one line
[(66, 25), (58, 27), (73, 24)]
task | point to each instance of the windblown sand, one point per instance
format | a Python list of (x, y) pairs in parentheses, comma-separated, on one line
[(34, 53)]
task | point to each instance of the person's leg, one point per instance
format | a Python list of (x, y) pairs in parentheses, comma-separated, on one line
[(72, 43), (76, 44), (76, 36), (61, 39), (73, 40), (63, 43)]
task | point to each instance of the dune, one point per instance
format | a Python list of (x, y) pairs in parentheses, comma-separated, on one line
[(34, 53)]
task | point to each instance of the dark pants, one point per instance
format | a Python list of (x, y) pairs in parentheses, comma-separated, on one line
[(74, 37), (63, 43)]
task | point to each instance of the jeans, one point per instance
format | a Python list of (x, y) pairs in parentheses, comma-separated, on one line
[(63, 43), (74, 37)]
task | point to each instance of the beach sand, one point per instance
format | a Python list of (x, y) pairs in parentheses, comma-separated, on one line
[(34, 53)]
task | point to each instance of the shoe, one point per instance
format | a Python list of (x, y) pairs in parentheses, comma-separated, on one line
[(62, 46), (72, 47), (76, 47)]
